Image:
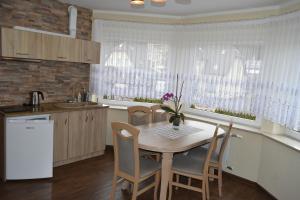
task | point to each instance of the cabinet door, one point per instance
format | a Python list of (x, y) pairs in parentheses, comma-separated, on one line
[(7, 42), (74, 53), (78, 129), (97, 130), (27, 44), (90, 52), (61, 48), (55, 48), (61, 136)]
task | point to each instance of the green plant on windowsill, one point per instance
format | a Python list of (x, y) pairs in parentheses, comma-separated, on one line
[(147, 100), (227, 112), (236, 114)]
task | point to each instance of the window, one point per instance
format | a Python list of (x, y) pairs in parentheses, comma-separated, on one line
[(237, 67)]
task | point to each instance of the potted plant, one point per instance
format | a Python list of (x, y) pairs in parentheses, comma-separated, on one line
[(176, 115)]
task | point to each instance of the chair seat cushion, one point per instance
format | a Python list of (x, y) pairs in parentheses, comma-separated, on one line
[(201, 153), (187, 164), (148, 166)]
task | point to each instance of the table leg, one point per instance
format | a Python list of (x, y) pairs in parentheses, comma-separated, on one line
[(165, 173)]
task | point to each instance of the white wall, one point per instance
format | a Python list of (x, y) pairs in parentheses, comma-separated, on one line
[(279, 170), (255, 157), (271, 164), (244, 155)]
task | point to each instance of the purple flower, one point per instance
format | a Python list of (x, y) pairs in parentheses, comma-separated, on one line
[(167, 96)]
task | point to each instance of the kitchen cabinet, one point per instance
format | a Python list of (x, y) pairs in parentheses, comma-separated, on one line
[(7, 42), (61, 136), (90, 52), (19, 44), (86, 133), (62, 48), (95, 141), (78, 130)]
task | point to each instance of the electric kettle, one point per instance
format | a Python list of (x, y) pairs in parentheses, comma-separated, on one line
[(35, 97)]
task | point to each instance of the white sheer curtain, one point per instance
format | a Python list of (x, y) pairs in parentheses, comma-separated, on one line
[(137, 60), (247, 66)]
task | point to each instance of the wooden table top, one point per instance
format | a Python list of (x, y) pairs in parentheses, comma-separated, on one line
[(161, 137)]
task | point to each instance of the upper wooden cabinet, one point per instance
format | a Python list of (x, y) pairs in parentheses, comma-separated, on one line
[(39, 46), (21, 44), (90, 52), (62, 48)]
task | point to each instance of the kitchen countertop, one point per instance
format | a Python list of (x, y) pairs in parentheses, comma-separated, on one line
[(47, 108)]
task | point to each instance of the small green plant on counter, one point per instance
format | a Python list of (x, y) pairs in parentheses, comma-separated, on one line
[(236, 114), (147, 100)]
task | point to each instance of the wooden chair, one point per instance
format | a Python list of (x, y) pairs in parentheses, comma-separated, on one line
[(139, 115), (216, 158), (158, 115), (192, 168), (128, 164)]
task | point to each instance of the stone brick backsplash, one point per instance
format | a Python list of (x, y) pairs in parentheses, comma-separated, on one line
[(56, 79)]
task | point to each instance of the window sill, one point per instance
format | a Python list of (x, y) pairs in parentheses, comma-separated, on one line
[(124, 104), (256, 124), (215, 118)]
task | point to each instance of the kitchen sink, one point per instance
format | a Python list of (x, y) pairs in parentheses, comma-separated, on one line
[(75, 104)]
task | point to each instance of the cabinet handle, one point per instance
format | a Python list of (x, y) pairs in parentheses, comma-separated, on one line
[(92, 117), (23, 54), (66, 120), (60, 57), (86, 118)]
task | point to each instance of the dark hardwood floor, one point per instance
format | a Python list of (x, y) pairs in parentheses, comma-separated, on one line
[(91, 179)]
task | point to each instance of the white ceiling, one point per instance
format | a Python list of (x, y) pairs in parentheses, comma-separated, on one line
[(177, 7)]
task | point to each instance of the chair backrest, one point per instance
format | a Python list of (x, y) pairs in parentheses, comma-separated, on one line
[(126, 152), (210, 150), (224, 143), (139, 115), (158, 115)]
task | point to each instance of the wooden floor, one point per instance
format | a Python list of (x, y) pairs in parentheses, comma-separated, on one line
[(91, 179)]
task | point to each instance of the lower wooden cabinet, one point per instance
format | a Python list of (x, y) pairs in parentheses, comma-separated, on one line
[(78, 131), (79, 135), (96, 135), (61, 136)]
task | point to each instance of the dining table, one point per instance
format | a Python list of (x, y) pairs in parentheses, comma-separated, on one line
[(162, 137)]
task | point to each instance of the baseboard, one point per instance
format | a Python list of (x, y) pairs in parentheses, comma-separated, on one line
[(72, 160), (248, 182)]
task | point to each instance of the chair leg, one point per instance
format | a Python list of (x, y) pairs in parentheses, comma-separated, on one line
[(189, 181), (220, 181), (170, 185), (177, 180), (157, 158), (212, 172), (135, 190), (114, 186), (207, 188), (157, 180), (203, 190)]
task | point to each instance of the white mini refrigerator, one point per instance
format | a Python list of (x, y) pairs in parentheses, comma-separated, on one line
[(29, 147)]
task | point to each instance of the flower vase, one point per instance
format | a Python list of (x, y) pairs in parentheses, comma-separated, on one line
[(176, 123)]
